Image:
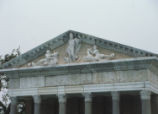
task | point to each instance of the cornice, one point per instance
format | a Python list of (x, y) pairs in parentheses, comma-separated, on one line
[(104, 66)]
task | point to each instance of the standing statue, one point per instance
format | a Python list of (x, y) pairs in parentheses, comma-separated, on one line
[(21, 108), (72, 49), (5, 100)]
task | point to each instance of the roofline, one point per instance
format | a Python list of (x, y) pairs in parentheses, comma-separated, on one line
[(116, 46), (61, 39)]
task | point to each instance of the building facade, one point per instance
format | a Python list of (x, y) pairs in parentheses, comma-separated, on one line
[(76, 73)]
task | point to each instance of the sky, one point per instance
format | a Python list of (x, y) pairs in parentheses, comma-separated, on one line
[(29, 23)]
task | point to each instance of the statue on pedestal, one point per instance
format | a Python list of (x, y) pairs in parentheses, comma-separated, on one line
[(5, 100)]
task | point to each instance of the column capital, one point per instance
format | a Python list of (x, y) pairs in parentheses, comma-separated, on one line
[(62, 98), (115, 95), (37, 99), (14, 100), (145, 94), (88, 97)]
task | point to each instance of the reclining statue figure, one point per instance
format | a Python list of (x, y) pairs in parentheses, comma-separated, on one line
[(93, 54)]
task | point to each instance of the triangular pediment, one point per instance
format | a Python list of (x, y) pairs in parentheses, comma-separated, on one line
[(75, 47), (82, 56)]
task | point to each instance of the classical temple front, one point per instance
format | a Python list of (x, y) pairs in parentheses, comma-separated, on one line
[(76, 73)]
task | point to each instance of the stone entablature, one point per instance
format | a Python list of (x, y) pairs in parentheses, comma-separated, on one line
[(122, 75), (103, 66), (81, 79)]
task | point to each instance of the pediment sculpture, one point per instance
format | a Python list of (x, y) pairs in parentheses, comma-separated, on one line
[(49, 60), (93, 54), (5, 100), (72, 49)]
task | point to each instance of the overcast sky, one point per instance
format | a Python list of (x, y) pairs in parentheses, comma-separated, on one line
[(29, 23)]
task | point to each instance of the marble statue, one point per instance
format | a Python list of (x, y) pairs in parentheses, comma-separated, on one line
[(21, 108), (5, 100), (72, 49), (93, 54), (49, 60)]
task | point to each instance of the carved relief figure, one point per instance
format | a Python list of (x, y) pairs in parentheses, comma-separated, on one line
[(93, 54), (72, 49), (5, 100), (50, 59), (21, 108)]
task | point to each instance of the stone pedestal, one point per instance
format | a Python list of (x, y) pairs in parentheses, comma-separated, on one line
[(13, 108), (115, 102), (37, 104), (62, 103), (145, 101), (88, 103)]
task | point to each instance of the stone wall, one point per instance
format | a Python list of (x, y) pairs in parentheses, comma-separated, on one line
[(80, 79)]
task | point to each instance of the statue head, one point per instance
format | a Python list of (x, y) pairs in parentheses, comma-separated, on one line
[(20, 107), (1, 110), (71, 35), (4, 81)]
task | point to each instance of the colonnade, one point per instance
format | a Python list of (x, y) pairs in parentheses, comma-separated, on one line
[(145, 97)]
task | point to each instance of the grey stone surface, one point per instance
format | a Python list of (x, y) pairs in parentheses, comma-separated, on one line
[(115, 102), (62, 103), (115, 65), (98, 78), (37, 104), (14, 83), (88, 103), (30, 82), (75, 79), (13, 108), (146, 102)]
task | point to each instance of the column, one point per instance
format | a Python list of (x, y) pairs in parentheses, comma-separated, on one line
[(115, 102), (146, 103), (13, 108), (62, 103), (88, 103), (37, 104)]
